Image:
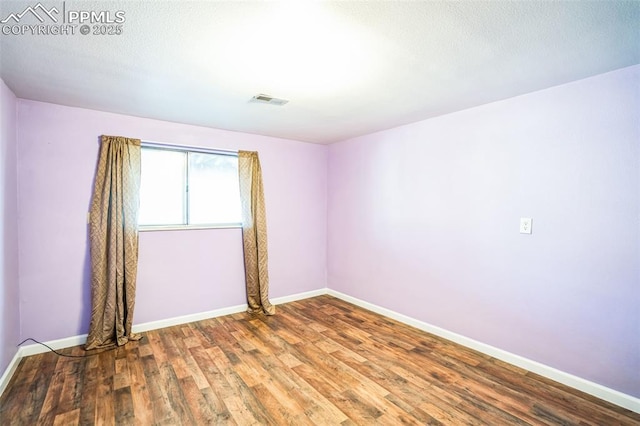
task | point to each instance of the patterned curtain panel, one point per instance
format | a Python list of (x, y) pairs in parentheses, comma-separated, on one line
[(113, 234), (254, 233)]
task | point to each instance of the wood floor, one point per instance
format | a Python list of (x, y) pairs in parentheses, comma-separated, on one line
[(318, 361)]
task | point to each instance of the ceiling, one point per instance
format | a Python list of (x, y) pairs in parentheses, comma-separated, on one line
[(347, 68)]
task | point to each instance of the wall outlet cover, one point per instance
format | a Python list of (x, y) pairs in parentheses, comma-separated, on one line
[(525, 225)]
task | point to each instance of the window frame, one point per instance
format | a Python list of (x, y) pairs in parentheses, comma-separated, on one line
[(186, 150)]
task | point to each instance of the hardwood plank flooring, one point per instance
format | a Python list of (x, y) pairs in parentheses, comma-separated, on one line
[(318, 361)]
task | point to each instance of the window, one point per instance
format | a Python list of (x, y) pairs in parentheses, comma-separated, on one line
[(188, 189)]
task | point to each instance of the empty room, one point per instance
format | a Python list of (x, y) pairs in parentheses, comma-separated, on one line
[(320, 212)]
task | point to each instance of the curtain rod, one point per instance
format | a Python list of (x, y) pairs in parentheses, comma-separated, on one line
[(154, 144)]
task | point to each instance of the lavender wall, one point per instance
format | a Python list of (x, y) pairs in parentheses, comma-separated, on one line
[(9, 291), (180, 272), (423, 219)]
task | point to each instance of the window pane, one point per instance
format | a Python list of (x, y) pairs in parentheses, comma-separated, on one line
[(162, 187), (214, 196)]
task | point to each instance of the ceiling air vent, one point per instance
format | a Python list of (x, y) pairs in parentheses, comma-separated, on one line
[(266, 99)]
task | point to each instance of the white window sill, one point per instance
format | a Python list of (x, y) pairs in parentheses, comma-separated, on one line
[(150, 228)]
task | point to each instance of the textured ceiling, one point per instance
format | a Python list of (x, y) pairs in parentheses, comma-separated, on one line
[(347, 68)]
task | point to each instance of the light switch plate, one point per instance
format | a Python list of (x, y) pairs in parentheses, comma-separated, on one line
[(525, 225)]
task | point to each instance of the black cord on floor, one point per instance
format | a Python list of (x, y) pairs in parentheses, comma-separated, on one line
[(59, 354), (53, 350)]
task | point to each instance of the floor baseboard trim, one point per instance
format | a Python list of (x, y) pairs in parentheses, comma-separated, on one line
[(185, 319), (137, 328), (610, 395), (8, 372), (299, 296), (66, 342)]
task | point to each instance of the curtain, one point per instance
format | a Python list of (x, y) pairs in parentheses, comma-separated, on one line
[(113, 235), (254, 233)]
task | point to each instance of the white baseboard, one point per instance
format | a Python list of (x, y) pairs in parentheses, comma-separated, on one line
[(154, 325), (67, 342), (299, 296), (615, 397), (8, 372), (184, 319)]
